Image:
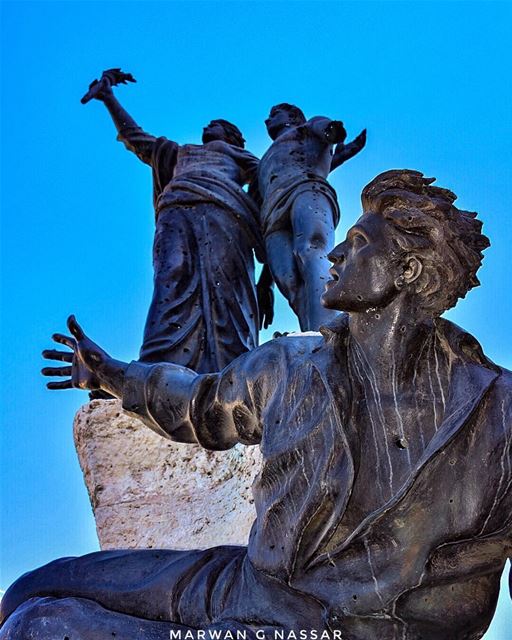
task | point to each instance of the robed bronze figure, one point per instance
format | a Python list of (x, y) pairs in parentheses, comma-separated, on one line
[(204, 311)]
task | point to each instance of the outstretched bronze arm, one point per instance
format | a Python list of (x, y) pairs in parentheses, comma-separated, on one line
[(112, 77), (102, 90), (134, 137), (344, 152), (173, 401), (92, 368)]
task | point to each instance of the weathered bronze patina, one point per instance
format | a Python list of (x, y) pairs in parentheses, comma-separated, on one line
[(384, 505)]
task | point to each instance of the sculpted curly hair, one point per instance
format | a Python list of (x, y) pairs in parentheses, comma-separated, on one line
[(233, 133), (447, 240)]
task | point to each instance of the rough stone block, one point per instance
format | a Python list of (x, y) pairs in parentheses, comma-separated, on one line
[(149, 492)]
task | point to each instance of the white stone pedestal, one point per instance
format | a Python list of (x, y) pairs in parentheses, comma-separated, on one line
[(149, 492)]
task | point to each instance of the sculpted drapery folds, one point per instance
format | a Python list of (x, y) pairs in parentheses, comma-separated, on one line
[(204, 310), (384, 501)]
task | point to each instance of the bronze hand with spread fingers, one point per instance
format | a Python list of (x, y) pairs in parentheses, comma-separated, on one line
[(91, 367)]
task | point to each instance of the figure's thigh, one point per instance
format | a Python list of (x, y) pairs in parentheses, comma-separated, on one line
[(281, 258), (79, 619), (142, 583), (312, 221)]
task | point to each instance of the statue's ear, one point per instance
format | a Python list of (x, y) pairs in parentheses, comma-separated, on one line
[(412, 269)]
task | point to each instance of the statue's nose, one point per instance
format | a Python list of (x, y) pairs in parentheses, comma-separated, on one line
[(337, 255)]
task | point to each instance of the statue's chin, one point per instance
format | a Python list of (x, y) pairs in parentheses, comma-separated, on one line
[(330, 298), (209, 137), (327, 303), (337, 303)]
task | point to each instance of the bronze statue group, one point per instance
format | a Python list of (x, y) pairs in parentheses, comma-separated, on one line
[(384, 502), (206, 308)]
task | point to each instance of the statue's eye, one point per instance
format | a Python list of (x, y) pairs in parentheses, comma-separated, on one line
[(358, 239)]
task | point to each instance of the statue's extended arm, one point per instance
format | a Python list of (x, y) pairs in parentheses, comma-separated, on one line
[(215, 410), (133, 137), (344, 152)]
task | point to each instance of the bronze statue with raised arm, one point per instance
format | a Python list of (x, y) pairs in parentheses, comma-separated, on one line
[(384, 503), (299, 209), (204, 311)]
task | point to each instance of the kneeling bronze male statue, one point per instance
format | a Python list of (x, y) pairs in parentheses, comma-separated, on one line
[(384, 504)]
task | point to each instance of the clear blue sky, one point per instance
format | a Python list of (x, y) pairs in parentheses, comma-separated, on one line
[(430, 81)]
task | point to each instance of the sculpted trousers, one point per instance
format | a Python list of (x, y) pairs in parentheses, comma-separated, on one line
[(147, 594)]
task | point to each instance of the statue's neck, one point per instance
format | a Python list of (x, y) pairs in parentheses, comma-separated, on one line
[(390, 340)]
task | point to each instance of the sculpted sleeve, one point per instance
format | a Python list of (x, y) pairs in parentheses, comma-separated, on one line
[(215, 410), (159, 153), (139, 142)]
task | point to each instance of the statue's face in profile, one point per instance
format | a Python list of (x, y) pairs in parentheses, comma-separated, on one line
[(365, 267), (213, 131), (278, 120)]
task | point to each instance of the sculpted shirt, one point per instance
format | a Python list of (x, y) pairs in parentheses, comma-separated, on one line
[(422, 563)]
